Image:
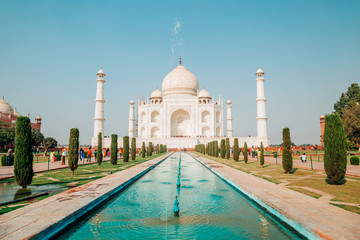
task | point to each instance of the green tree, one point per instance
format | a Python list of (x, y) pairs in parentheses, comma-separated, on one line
[(49, 143), (133, 149), (335, 158), (348, 99), (262, 158), (143, 150), (216, 149), (126, 148), (73, 150), (236, 150), (7, 135), (227, 146), (114, 149), (151, 149), (23, 166), (287, 161), (37, 137), (222, 148), (99, 157), (245, 153), (351, 118)]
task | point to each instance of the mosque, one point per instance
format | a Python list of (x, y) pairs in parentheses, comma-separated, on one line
[(181, 116)]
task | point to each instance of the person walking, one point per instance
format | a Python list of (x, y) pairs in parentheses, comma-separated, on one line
[(63, 156), (95, 153), (81, 154), (89, 152), (52, 156), (303, 158), (8, 156)]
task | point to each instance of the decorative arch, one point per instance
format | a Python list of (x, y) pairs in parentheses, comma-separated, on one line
[(218, 117), (155, 116), (218, 131), (180, 123), (142, 117), (205, 131), (205, 116), (155, 132), (142, 132)]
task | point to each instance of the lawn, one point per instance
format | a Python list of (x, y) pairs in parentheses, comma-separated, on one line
[(309, 182)]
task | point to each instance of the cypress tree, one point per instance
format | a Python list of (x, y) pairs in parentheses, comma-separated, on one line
[(287, 160), (236, 150), (222, 148), (133, 148), (114, 149), (262, 158), (23, 166), (211, 148), (99, 157), (151, 149), (143, 150), (227, 145), (126, 148), (207, 149), (335, 158), (216, 149), (245, 153), (73, 150)]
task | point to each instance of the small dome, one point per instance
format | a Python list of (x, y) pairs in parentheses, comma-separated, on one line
[(100, 72), (259, 70), (180, 81), (132, 102), (16, 113), (156, 94), (228, 102), (204, 94), (38, 118), (5, 108)]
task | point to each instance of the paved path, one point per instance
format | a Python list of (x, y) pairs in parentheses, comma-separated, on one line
[(45, 218), (351, 170), (323, 219), (8, 172)]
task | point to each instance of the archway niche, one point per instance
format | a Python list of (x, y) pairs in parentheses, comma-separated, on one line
[(180, 123), (205, 116), (155, 116), (155, 132), (205, 131), (218, 117)]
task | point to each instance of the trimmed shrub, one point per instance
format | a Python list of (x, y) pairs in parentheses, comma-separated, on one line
[(151, 149), (354, 160), (245, 153), (11, 162), (262, 158), (236, 150), (143, 150), (216, 148), (114, 149), (335, 158), (126, 148), (222, 148), (227, 146), (23, 165), (99, 157), (287, 161), (73, 150), (133, 149)]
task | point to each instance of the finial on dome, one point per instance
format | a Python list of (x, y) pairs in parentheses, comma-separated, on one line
[(180, 61)]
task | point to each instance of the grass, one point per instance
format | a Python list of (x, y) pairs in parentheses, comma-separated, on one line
[(84, 174), (354, 209), (348, 192)]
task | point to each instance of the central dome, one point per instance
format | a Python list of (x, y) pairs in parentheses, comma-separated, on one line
[(180, 81)]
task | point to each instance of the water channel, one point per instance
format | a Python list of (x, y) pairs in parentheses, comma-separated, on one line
[(209, 209)]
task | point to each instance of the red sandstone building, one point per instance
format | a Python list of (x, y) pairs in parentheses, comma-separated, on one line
[(9, 115)]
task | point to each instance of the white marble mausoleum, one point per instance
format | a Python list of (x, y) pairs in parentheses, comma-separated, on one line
[(181, 116)]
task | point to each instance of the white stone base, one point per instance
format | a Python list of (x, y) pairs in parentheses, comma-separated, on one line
[(186, 142)]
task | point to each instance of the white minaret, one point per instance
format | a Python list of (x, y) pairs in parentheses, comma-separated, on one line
[(131, 119), (99, 104), (261, 108), (229, 129)]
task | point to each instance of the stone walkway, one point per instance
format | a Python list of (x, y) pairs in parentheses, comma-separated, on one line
[(8, 172), (351, 170), (316, 215), (43, 219)]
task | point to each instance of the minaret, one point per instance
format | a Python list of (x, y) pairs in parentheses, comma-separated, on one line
[(131, 119), (99, 104), (261, 108), (229, 129)]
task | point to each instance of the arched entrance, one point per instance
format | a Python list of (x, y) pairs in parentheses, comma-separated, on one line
[(180, 123)]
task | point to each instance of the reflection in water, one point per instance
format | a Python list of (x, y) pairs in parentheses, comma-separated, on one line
[(21, 193), (210, 209)]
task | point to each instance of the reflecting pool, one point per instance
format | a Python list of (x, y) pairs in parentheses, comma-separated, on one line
[(209, 209)]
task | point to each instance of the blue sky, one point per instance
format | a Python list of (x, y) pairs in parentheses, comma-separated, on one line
[(50, 52)]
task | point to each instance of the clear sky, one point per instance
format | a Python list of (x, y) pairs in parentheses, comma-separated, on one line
[(50, 52)]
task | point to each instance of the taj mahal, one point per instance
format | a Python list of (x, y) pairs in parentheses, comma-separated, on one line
[(181, 116)]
